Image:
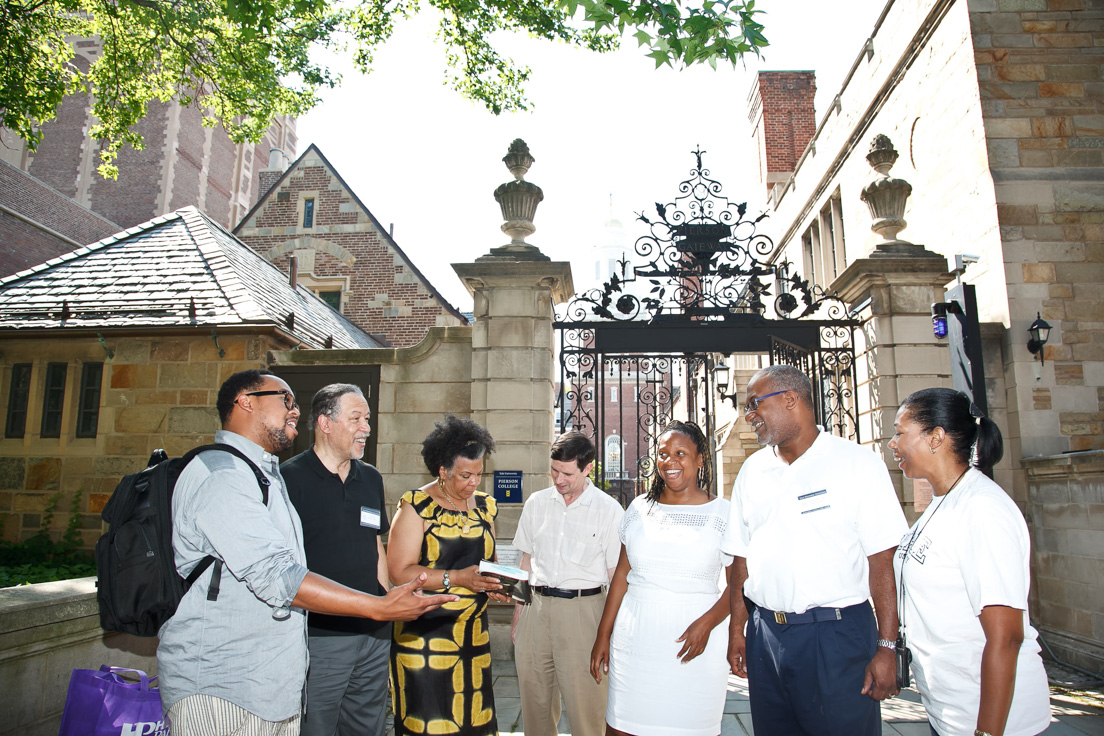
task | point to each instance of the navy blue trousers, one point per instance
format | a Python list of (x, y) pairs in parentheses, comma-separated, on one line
[(807, 679)]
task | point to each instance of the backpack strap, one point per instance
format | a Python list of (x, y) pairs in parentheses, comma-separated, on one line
[(206, 562)]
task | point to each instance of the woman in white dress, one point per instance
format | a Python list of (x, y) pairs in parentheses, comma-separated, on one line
[(962, 577), (660, 638)]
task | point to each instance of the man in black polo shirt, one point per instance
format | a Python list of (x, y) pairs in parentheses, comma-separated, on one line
[(340, 502)]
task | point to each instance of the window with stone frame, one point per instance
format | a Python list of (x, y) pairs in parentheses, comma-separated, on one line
[(53, 399), (88, 400), (822, 245), (19, 393), (308, 213), (332, 298)]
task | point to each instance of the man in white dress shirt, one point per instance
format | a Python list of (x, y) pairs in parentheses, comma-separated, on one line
[(814, 526), (568, 536)]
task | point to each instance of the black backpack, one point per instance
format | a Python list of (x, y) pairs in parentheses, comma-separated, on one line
[(138, 587)]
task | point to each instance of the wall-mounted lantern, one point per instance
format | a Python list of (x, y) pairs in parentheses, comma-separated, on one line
[(722, 375), (1040, 333)]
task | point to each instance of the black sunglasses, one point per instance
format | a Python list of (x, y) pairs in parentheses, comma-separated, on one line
[(289, 399)]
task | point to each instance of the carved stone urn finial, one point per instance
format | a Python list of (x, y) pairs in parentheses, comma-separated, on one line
[(518, 200), (518, 159), (886, 197)]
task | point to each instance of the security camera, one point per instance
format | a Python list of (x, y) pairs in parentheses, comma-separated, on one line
[(962, 260)]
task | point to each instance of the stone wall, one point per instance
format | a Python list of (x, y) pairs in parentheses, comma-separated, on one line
[(345, 249), (47, 631), (158, 392), (1066, 514), (1039, 66)]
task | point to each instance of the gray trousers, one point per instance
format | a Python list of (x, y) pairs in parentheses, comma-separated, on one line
[(346, 686)]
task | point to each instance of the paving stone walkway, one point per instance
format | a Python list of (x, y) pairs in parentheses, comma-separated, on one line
[(901, 716)]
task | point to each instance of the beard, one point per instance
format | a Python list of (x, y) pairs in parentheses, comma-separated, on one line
[(278, 439)]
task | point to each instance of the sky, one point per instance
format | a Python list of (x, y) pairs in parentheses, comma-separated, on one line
[(611, 135)]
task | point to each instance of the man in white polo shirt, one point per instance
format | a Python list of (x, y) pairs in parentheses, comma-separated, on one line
[(814, 526), (568, 536)]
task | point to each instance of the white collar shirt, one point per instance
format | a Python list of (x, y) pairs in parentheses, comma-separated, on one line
[(571, 547), (807, 528)]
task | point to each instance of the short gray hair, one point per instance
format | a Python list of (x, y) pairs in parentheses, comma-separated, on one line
[(327, 399), (788, 378)]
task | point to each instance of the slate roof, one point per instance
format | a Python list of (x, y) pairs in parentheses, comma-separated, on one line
[(178, 270)]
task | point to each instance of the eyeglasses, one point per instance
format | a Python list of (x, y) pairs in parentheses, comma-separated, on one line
[(289, 398), (753, 404)]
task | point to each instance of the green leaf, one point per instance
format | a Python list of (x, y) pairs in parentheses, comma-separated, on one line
[(244, 61)]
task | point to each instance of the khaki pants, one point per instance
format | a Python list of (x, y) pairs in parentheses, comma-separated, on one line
[(554, 639)]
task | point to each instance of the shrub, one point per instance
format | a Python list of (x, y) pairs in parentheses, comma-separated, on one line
[(41, 559)]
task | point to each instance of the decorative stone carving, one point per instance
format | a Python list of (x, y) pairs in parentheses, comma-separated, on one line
[(518, 200), (886, 197)]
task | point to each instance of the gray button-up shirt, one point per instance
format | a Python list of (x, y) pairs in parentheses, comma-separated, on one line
[(250, 646)]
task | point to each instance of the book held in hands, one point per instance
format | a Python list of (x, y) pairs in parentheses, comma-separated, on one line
[(515, 581)]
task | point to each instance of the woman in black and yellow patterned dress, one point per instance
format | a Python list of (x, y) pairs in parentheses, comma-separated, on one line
[(441, 663)]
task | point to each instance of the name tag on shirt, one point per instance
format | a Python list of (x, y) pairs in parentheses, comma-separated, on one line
[(369, 517), (813, 501)]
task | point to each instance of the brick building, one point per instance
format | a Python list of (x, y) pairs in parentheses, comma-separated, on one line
[(119, 348), (996, 111), (342, 252), (183, 163), (38, 223)]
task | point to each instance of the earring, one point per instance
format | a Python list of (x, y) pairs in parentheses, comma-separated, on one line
[(932, 449), (441, 481)]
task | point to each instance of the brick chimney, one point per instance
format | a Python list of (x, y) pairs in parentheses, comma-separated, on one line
[(780, 108), (277, 165)]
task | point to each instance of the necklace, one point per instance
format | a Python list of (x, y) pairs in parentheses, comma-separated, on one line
[(912, 540), (465, 512)]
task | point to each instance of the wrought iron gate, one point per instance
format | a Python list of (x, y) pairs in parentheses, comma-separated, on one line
[(643, 346)]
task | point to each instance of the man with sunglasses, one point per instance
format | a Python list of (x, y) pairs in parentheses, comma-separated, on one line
[(236, 662), (814, 525)]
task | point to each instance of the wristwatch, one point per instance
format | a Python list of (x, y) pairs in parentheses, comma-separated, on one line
[(445, 580), (979, 732), (887, 644)]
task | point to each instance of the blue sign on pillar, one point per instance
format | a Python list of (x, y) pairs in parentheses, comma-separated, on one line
[(507, 486)]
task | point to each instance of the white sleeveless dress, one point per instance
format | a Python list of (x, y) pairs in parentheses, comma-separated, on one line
[(677, 567)]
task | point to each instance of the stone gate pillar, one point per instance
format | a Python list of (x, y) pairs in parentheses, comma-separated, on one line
[(896, 351), (514, 288)]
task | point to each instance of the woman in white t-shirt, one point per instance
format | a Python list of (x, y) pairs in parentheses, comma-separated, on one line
[(963, 578), (661, 637)]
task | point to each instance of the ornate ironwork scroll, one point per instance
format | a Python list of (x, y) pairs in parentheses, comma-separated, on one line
[(702, 282), (630, 398), (831, 368), (703, 258)]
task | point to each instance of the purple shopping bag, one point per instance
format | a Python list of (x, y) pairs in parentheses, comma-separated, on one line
[(102, 703)]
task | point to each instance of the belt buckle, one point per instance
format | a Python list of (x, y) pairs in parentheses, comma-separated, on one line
[(779, 617)]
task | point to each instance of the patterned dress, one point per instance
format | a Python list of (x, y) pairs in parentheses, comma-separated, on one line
[(441, 663)]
